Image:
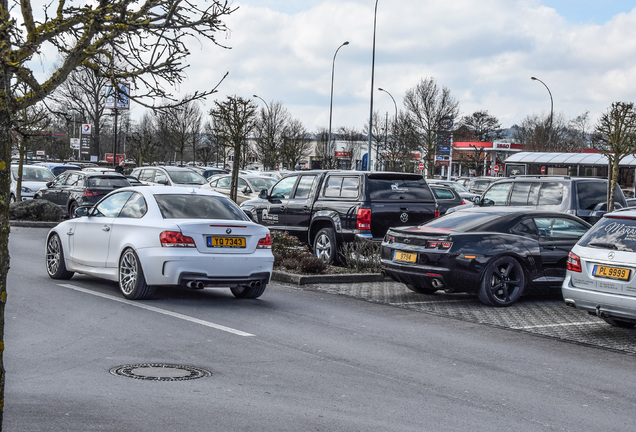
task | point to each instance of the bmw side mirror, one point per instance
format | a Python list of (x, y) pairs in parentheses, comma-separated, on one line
[(82, 211), (263, 194)]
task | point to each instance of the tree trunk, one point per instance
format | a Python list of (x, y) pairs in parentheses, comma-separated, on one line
[(5, 186)]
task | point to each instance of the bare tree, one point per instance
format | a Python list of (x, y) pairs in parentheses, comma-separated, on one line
[(143, 140), (615, 137), (182, 127), (269, 133), (398, 151), (235, 120), (485, 127), (143, 42), (426, 104), (296, 143)]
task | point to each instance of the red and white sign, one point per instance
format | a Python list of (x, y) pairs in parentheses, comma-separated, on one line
[(421, 166), (120, 157), (543, 169), (496, 169), (86, 129), (342, 154)]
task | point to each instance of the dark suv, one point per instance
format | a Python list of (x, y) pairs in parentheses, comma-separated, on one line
[(72, 189), (585, 197)]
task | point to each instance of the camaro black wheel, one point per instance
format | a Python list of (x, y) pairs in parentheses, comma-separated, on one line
[(503, 282), (132, 282), (422, 290), (619, 323), (247, 292), (55, 265), (325, 246)]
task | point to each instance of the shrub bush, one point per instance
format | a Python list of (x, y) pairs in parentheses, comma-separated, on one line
[(36, 210), (312, 264), (362, 255)]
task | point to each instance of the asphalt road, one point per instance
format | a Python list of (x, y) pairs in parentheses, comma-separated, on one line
[(297, 359)]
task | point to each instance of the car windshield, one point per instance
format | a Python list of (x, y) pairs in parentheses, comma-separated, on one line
[(384, 188), (30, 173), (107, 182), (187, 206), (616, 233), (187, 177), (462, 220), (261, 183)]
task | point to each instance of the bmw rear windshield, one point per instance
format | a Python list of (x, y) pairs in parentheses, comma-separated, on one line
[(186, 206), (390, 187), (616, 233)]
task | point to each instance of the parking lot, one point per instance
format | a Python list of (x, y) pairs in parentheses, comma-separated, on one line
[(544, 315)]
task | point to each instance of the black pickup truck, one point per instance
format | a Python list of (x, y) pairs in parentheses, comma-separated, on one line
[(324, 209)]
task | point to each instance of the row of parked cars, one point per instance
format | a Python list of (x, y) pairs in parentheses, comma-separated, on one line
[(521, 233)]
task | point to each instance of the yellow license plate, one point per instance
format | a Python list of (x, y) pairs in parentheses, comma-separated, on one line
[(404, 256), (231, 242), (611, 272)]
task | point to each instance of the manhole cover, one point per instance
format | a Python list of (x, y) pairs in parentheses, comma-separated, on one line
[(160, 372)]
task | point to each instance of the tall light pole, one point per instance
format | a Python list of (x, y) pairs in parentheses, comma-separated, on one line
[(551, 101), (333, 64), (375, 16)]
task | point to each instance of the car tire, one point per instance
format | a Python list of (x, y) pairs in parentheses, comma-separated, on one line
[(132, 282), (55, 264), (422, 290), (247, 292), (325, 246), (502, 283), (71, 209), (614, 322)]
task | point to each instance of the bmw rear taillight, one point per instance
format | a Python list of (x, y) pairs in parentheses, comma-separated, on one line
[(363, 220), (265, 242), (574, 263), (175, 239)]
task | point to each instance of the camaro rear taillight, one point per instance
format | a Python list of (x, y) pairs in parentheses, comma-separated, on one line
[(175, 239), (363, 220), (265, 242), (438, 244), (574, 263)]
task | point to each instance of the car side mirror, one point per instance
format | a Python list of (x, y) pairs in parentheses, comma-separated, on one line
[(477, 201), (263, 194), (246, 190), (163, 182), (49, 184), (82, 211)]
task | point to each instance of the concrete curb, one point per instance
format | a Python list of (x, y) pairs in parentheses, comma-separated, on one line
[(32, 224), (297, 279)]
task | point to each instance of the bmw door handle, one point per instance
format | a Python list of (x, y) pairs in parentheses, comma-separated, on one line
[(549, 247), (105, 228)]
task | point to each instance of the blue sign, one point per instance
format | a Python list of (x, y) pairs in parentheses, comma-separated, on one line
[(365, 161)]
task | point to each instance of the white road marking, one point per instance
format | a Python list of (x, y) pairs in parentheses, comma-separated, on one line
[(556, 325), (158, 310)]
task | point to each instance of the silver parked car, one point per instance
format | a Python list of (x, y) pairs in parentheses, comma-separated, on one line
[(601, 270)]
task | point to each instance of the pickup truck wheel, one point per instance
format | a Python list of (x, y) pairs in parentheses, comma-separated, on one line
[(325, 246)]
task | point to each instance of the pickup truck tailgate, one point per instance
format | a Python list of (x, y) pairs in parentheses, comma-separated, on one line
[(398, 200)]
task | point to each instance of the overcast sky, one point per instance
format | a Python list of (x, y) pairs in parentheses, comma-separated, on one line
[(483, 51)]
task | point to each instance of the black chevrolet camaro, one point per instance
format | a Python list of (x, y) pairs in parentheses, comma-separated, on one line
[(494, 252)]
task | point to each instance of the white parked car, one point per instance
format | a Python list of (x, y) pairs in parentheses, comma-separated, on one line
[(147, 236), (33, 178), (601, 270), (168, 176), (248, 186)]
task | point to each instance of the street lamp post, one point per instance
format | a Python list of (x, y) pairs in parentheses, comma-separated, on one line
[(394, 104), (269, 120), (375, 16), (551, 101), (333, 64)]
